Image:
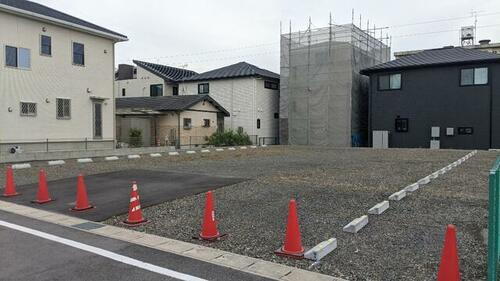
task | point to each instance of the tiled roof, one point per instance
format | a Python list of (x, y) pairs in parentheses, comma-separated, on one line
[(166, 72), (434, 57), (167, 103), (39, 9), (241, 69)]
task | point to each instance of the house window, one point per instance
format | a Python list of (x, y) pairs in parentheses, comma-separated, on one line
[(187, 123), (28, 109), (402, 125), (17, 57), (465, 130), (271, 85), (78, 54), (258, 123), (124, 92), (389, 82), (276, 115), (175, 90), (203, 88), (206, 123), (156, 90), (474, 76), (46, 45), (63, 108)]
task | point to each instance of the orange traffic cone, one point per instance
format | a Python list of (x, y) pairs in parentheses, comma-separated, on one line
[(42, 196), (134, 210), (209, 230), (82, 201), (10, 185), (448, 268), (293, 242)]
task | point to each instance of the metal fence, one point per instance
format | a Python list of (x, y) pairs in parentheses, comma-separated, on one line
[(494, 223), (51, 145)]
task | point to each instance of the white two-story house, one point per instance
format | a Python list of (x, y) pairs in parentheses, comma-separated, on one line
[(56, 80), (249, 93)]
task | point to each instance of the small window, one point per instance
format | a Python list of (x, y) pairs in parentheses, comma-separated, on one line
[(17, 57), (271, 85), (28, 109), (78, 54), (63, 108), (276, 115), (258, 123), (206, 123), (402, 125), (124, 92), (203, 88), (175, 90), (474, 76), (187, 123), (465, 130), (10, 56), (156, 90), (46, 45), (389, 82)]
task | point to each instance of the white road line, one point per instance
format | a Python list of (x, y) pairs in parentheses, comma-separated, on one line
[(103, 253)]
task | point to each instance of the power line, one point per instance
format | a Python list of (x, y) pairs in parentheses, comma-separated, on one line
[(440, 31), (443, 20)]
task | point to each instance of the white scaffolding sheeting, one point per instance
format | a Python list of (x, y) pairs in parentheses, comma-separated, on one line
[(323, 98)]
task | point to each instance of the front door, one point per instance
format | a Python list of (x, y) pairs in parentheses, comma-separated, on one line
[(97, 120)]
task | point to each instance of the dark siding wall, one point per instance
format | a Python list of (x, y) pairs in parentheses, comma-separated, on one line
[(432, 97), (495, 91)]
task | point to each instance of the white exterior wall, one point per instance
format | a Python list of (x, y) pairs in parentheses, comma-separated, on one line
[(53, 77), (246, 99), (140, 87)]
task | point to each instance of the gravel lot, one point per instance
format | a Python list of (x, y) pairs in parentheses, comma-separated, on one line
[(332, 187)]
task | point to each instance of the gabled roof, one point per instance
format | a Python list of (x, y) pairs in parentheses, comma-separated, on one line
[(436, 57), (170, 73), (167, 103), (241, 69), (44, 13)]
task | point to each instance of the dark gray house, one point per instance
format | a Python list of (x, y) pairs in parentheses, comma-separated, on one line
[(439, 98)]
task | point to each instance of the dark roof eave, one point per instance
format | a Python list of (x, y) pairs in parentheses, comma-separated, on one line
[(369, 71), (231, 77)]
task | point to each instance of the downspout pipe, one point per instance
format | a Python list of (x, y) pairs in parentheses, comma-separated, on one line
[(178, 142)]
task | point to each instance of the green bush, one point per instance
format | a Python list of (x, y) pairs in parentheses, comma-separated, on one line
[(135, 136), (229, 138)]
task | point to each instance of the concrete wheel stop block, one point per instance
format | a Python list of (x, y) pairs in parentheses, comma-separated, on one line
[(56, 162), (190, 152), (424, 181), (321, 250), (243, 147), (219, 149), (412, 187), (231, 148), (134, 156), (155, 155), (396, 196), (21, 166), (111, 158), (173, 153), (205, 151), (356, 225), (379, 208), (84, 160)]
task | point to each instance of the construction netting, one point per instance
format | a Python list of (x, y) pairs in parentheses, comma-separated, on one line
[(323, 98)]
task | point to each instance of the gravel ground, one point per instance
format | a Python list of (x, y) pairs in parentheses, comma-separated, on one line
[(332, 187)]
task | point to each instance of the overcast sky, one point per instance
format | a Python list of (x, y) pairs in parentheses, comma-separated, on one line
[(203, 34)]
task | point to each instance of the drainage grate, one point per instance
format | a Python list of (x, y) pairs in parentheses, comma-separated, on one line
[(88, 225)]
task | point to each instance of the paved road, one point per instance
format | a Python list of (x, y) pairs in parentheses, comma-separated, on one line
[(63, 253)]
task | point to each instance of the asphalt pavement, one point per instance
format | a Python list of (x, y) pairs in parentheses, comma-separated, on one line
[(35, 250)]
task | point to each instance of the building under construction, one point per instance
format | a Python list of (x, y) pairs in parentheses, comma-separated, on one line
[(323, 98)]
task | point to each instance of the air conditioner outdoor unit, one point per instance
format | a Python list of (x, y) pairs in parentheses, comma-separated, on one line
[(16, 149)]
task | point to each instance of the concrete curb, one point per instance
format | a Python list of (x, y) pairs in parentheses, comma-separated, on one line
[(206, 254)]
